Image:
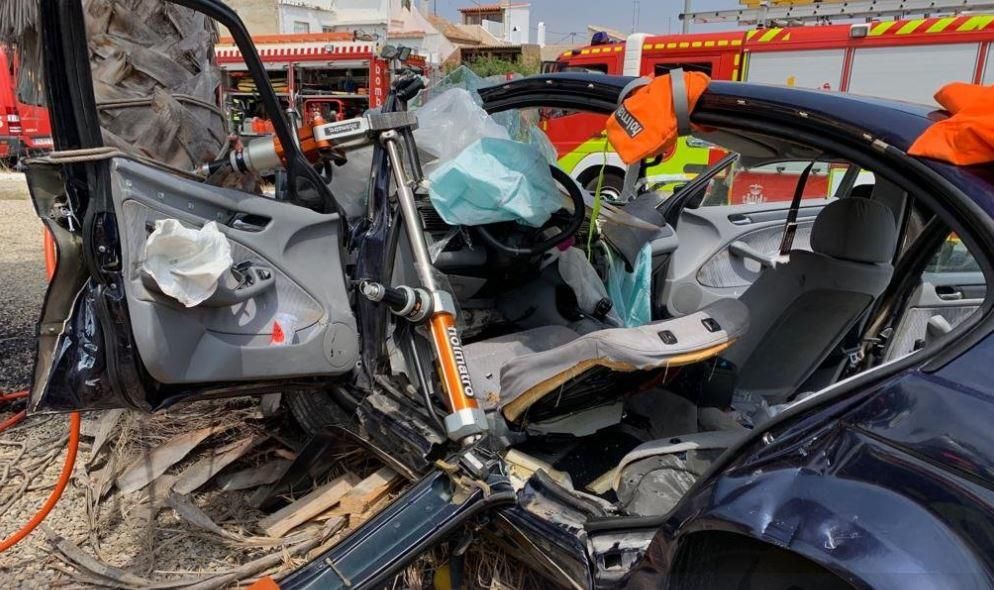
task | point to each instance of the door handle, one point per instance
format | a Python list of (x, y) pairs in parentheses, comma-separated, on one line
[(248, 222), (243, 282), (948, 293)]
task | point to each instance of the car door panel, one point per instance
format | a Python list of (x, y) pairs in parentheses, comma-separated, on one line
[(704, 268), (234, 342), (951, 296)]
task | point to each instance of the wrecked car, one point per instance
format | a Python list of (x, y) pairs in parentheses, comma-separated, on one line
[(813, 417)]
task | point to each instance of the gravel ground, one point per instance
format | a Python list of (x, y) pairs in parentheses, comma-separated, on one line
[(22, 281)]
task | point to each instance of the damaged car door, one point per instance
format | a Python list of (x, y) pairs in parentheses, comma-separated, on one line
[(123, 328)]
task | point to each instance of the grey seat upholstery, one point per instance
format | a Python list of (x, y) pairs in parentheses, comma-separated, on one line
[(515, 372), (800, 310)]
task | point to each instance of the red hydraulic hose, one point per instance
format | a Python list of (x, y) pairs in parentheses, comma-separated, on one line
[(15, 419), (61, 483)]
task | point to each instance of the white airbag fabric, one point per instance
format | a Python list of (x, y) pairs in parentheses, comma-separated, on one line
[(186, 263)]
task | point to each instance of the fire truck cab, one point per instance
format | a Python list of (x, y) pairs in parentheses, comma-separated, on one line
[(901, 59), (24, 128)]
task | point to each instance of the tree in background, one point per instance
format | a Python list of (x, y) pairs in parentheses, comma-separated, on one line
[(493, 66)]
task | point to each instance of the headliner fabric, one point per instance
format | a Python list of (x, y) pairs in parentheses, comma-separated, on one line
[(966, 138), (855, 229), (527, 378)]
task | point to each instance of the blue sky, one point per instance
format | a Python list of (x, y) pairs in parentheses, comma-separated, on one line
[(563, 17)]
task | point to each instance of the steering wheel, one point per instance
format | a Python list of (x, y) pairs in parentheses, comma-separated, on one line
[(574, 223)]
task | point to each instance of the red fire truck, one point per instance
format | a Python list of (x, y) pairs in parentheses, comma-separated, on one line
[(24, 128), (902, 59), (337, 73)]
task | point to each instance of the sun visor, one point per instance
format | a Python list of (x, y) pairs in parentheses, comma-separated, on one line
[(652, 117), (967, 137)]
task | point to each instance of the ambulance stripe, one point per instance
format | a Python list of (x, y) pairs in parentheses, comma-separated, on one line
[(881, 28), (976, 23), (941, 24), (750, 34), (910, 26)]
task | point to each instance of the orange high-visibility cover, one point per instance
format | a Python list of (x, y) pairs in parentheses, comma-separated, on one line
[(266, 583), (967, 137), (645, 124)]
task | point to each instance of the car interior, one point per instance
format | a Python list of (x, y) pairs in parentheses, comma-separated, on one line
[(626, 418), (622, 418)]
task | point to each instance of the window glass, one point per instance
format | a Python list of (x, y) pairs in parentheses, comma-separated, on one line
[(910, 73), (770, 183), (664, 68), (301, 27), (586, 68), (952, 257), (818, 68)]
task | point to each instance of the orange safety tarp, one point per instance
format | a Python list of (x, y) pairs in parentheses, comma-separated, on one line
[(645, 124), (967, 137)]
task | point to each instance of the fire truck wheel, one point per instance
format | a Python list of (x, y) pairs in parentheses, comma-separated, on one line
[(611, 189)]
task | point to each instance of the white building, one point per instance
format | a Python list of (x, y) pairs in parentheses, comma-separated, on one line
[(382, 21), (509, 22)]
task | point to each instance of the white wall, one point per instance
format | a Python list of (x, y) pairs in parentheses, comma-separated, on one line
[(517, 23), (493, 27)]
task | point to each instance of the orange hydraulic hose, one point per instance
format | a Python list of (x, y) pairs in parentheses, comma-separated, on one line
[(60, 486), (15, 419), (51, 258), (51, 253)]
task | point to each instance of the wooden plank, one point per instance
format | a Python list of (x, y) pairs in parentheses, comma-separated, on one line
[(203, 470), (368, 491), (146, 468), (300, 511), (252, 478)]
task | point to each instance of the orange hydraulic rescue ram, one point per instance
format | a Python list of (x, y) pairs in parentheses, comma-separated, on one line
[(465, 422)]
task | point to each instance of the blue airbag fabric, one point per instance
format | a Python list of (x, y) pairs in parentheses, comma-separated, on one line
[(630, 291), (495, 180)]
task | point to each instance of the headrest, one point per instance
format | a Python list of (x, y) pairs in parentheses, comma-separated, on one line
[(855, 229)]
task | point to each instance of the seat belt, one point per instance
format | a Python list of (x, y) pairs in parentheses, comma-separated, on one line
[(790, 228)]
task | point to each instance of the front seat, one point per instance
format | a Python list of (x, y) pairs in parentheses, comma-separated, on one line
[(801, 310)]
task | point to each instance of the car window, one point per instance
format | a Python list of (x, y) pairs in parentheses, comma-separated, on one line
[(953, 257), (661, 69), (770, 183)]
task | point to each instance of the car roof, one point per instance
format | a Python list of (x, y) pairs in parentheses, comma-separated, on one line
[(894, 122), (897, 123)]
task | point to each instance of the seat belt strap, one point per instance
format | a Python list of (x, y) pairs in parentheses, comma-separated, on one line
[(681, 109), (790, 228)]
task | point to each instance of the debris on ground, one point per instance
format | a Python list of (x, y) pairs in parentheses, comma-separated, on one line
[(170, 500)]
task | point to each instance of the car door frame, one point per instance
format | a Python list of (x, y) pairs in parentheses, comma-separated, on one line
[(83, 164)]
